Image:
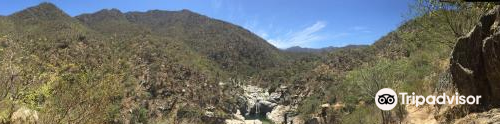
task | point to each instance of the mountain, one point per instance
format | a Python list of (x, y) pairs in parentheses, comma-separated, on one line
[(48, 21), (44, 11), (134, 67), (155, 66), (120, 68), (233, 48)]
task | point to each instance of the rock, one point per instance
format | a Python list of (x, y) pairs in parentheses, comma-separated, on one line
[(296, 120), (222, 84), (315, 120), (278, 114), (253, 122), (213, 120), (265, 107), (326, 105), (282, 114), (275, 97), (210, 108), (449, 113), (238, 115), (257, 100), (475, 61), (24, 116), (340, 105), (491, 55), (234, 121), (238, 119), (209, 114), (490, 117)]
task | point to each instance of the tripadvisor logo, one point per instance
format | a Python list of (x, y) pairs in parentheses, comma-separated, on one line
[(387, 99)]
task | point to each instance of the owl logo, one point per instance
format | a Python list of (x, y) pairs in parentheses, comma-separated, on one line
[(386, 99)]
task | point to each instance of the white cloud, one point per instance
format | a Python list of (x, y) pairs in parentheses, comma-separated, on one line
[(303, 37), (361, 29)]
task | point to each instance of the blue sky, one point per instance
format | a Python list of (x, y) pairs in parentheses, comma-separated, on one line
[(283, 23)]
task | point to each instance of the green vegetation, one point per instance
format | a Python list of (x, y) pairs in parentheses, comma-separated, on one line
[(408, 59), (70, 73)]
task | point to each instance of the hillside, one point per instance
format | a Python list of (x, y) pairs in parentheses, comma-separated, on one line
[(69, 71), (233, 48), (158, 63)]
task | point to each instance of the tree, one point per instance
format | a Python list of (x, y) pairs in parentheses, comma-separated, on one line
[(381, 74), (458, 16)]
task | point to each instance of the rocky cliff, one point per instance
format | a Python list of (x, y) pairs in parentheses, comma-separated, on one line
[(475, 62)]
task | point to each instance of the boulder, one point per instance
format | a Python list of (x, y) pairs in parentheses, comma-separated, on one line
[(265, 107), (491, 55), (275, 97), (278, 115), (475, 61)]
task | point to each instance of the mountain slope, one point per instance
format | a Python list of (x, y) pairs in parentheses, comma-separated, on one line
[(234, 49), (70, 72)]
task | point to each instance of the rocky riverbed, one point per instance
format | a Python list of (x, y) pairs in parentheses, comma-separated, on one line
[(260, 105)]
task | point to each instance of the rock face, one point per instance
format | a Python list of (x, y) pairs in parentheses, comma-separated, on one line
[(475, 62)]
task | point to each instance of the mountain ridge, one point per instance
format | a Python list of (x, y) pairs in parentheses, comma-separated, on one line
[(233, 47), (43, 11)]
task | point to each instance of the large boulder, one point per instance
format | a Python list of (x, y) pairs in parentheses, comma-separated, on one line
[(475, 61), (491, 55), (278, 115)]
